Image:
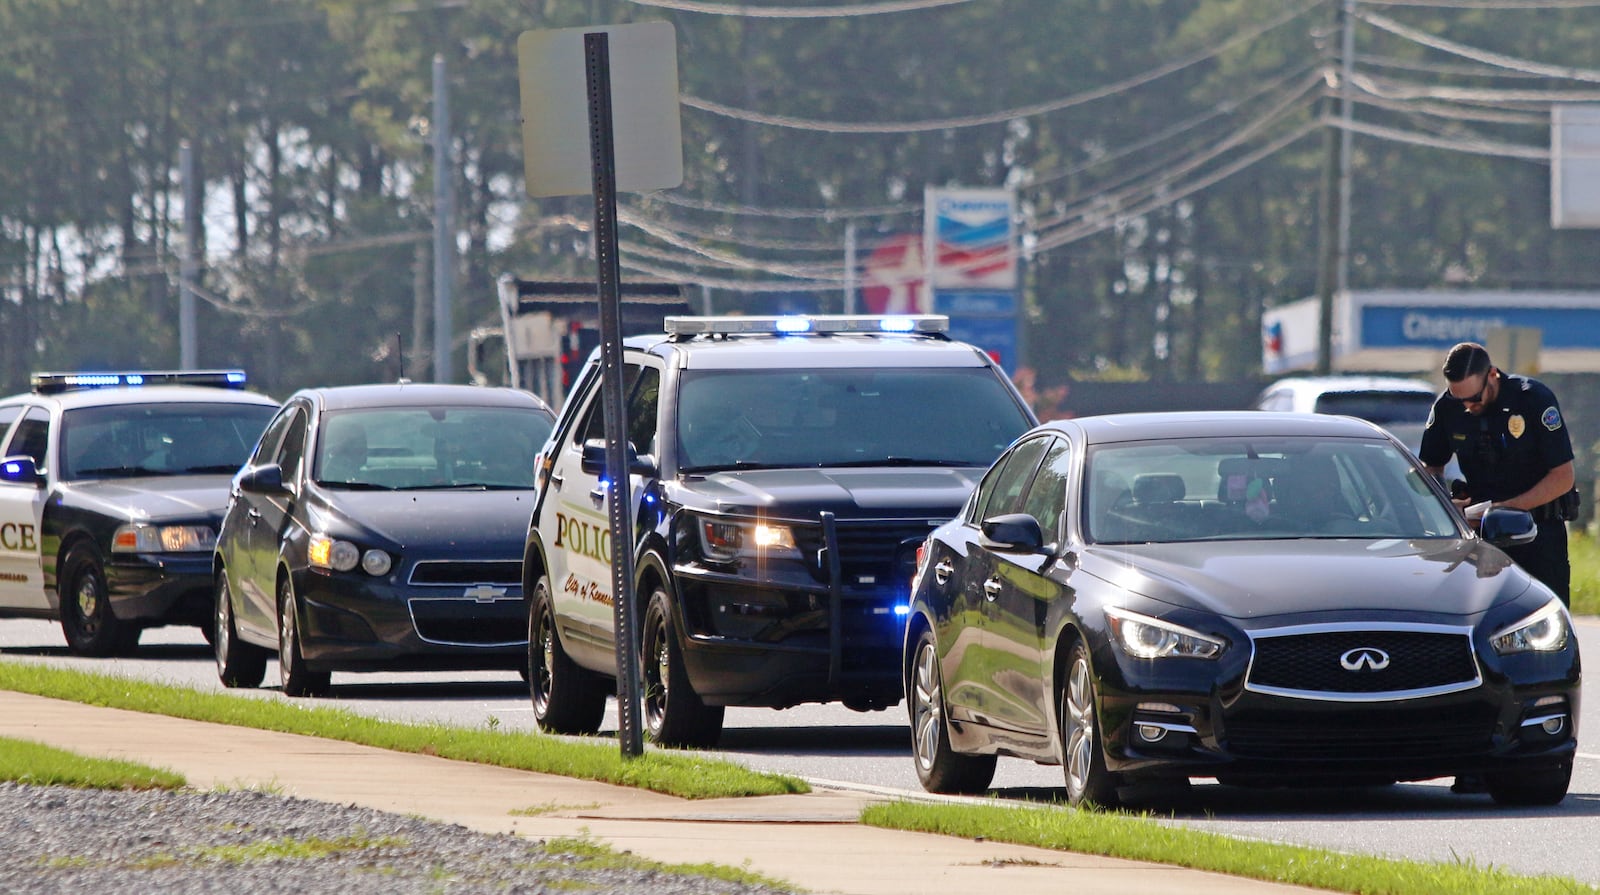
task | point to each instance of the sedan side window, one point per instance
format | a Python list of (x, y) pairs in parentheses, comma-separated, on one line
[(1010, 476), (294, 446), (1048, 496), (32, 437)]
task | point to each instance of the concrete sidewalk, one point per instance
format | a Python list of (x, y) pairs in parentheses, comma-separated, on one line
[(810, 841)]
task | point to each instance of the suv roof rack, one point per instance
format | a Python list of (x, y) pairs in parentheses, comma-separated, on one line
[(803, 324), (56, 383)]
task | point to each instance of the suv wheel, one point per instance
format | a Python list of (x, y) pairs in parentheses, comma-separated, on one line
[(86, 619), (566, 698), (939, 767), (673, 712), (239, 664)]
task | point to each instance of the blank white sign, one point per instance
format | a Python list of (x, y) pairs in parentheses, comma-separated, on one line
[(646, 134)]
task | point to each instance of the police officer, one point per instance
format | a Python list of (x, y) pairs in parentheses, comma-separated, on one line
[(1508, 436)]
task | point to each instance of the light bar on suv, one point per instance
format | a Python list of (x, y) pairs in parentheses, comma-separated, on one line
[(55, 383), (796, 324)]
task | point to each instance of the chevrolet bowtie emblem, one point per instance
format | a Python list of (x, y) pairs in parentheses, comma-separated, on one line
[(485, 593), (1364, 658)]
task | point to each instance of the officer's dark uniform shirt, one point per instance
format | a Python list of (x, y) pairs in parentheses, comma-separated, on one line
[(1505, 450)]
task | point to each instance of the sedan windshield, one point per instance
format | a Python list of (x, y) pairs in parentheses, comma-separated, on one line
[(731, 419), (1237, 489), (126, 440), (404, 448)]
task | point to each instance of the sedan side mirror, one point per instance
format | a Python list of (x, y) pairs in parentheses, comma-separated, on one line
[(1507, 527), (21, 470), (594, 459), (1017, 532), (265, 479)]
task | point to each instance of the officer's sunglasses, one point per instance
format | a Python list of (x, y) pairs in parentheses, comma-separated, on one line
[(1476, 397)]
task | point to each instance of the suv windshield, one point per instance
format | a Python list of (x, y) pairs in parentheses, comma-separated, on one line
[(847, 417), (1235, 489), (126, 440)]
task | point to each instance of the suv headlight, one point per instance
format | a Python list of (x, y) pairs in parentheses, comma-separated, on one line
[(142, 537), (1545, 631), (724, 541), (1143, 637), (328, 553)]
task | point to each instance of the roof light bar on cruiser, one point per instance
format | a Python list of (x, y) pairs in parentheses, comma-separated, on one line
[(808, 323), (55, 383)]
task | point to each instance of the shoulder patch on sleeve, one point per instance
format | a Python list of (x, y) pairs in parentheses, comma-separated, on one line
[(1429, 423), (1551, 418)]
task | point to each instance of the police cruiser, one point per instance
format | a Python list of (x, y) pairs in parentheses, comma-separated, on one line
[(112, 486), (784, 471)]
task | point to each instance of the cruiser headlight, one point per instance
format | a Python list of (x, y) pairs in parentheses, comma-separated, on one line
[(1545, 631), (1143, 637), (725, 541), (141, 537)]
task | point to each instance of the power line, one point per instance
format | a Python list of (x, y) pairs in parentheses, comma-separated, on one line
[(1056, 105), (1513, 63), (798, 12)]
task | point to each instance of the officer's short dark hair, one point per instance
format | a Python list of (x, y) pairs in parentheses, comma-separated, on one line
[(1466, 359)]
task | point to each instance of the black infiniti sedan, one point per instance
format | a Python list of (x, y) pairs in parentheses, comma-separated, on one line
[(1267, 599), (379, 527)]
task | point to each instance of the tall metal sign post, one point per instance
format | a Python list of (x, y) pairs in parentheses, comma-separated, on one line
[(634, 143)]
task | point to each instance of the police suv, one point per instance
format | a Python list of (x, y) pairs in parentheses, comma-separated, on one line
[(112, 486), (785, 471)]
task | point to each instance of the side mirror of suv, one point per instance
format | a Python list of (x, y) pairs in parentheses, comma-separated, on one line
[(594, 459), (21, 470)]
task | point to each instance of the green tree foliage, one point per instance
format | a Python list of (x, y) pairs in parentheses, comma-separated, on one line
[(1167, 156)]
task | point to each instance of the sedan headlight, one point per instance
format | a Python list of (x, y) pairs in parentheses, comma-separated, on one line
[(141, 537), (1143, 637), (328, 553), (1544, 631), (725, 541)]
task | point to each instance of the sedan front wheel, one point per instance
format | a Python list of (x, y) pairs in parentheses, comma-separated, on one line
[(1083, 752), (939, 767)]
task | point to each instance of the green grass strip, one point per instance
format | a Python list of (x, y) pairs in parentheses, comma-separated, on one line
[(1137, 837), (24, 761), (682, 774)]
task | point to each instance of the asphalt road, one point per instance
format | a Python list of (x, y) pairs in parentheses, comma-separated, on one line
[(1420, 820)]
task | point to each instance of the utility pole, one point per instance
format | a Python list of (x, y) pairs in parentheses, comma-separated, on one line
[(1333, 275), (189, 269), (444, 248), (850, 267)]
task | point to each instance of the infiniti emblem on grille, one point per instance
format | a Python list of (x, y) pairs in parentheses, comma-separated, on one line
[(1364, 658)]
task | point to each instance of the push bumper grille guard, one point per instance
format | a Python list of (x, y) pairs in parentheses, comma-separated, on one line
[(830, 540)]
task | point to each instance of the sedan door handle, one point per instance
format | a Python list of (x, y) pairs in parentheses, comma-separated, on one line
[(555, 480), (991, 588), (598, 494), (253, 514), (942, 571)]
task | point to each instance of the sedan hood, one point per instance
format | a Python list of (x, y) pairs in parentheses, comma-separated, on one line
[(493, 523), (1249, 579), (155, 498), (876, 492)]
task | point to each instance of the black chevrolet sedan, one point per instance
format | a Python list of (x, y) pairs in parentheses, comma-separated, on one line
[(1278, 599), (379, 527)]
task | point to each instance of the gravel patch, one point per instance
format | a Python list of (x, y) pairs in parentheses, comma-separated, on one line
[(63, 840)]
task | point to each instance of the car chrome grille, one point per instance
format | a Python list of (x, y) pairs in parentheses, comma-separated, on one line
[(1363, 665), (465, 573)]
